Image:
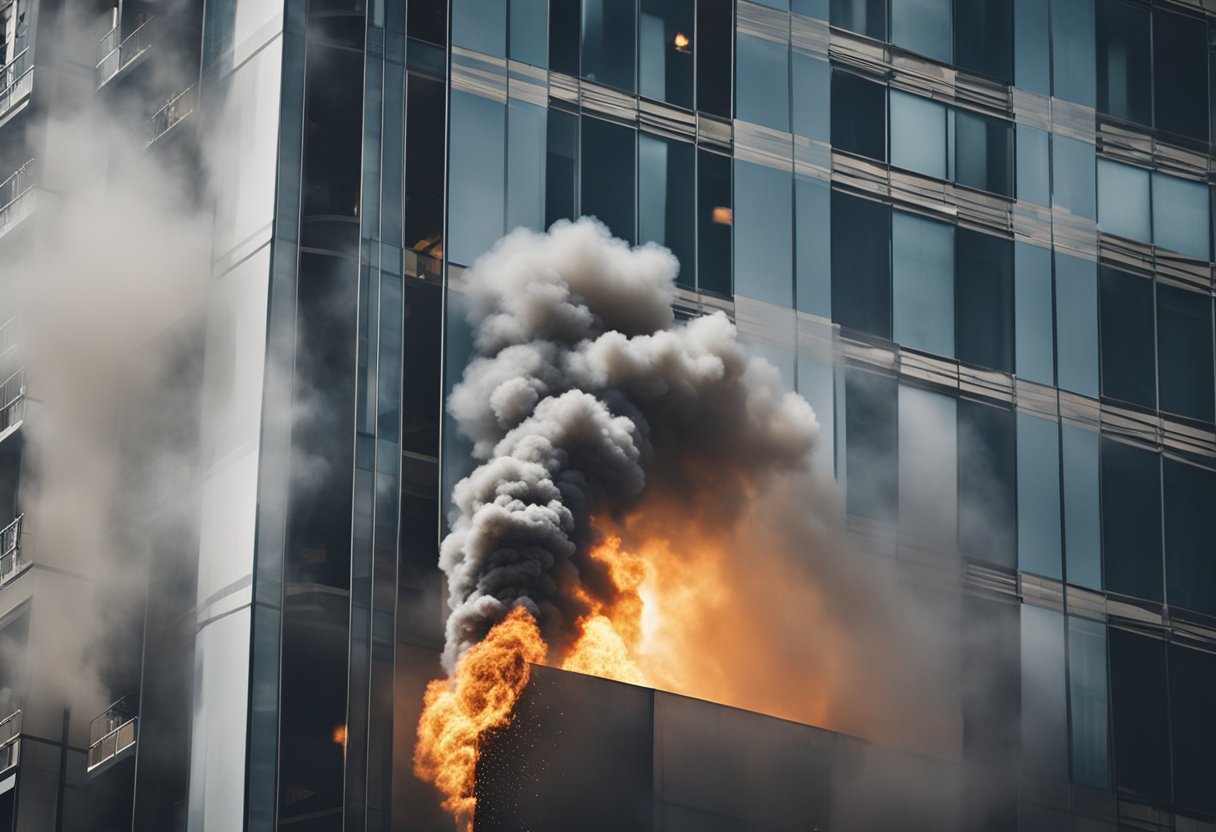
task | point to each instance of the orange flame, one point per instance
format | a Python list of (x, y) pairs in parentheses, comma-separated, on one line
[(479, 697)]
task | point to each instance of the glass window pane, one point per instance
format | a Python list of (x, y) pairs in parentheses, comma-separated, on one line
[(529, 27), (424, 148), (764, 234), (1077, 325), (665, 48), (1123, 206), (1072, 50), (987, 484), (1180, 94), (478, 174), (762, 82), (1031, 61), (1180, 215), (480, 25), (866, 17), (1190, 528), (861, 264), (922, 26), (428, 20), (813, 246), (859, 115), (817, 384), (1138, 705), (983, 152), (1184, 352), (812, 115), (1034, 337), (715, 30), (983, 38), (1075, 185), (1126, 328), (561, 166), (1193, 727), (1082, 533), (871, 437), (984, 299), (1124, 61), (1039, 497), (1087, 700), (928, 477), (1033, 165), (526, 162), (714, 220), (811, 8), (1044, 693), (922, 275), (920, 125), (609, 40), (1131, 520), (565, 25), (666, 188), (607, 162)]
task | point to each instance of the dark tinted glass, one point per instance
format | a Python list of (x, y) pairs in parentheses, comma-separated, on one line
[(666, 187), (1125, 315), (866, 17), (715, 24), (609, 54), (428, 20), (861, 264), (859, 115), (1072, 50), (607, 164), (561, 168), (565, 25), (1190, 528), (1124, 61), (983, 307), (762, 87), (983, 38), (715, 217), (665, 51), (1193, 727), (983, 152), (1180, 90), (1131, 520), (1142, 739), (991, 697), (424, 141), (872, 439), (987, 484), (1184, 352)]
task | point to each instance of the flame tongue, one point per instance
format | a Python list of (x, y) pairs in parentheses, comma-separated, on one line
[(478, 697)]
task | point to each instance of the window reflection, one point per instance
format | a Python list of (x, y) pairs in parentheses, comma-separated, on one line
[(918, 130), (1123, 202), (666, 50), (987, 484), (715, 217), (1180, 215), (922, 26), (480, 25), (813, 246), (607, 162), (1072, 50), (1074, 176), (861, 264), (1032, 42), (526, 161), (424, 164), (1124, 60), (983, 152), (527, 41), (561, 166), (609, 43), (1034, 334), (871, 444), (762, 82), (1076, 324), (763, 220), (866, 17), (1082, 533), (1038, 480), (922, 274), (1088, 703), (666, 189), (476, 185)]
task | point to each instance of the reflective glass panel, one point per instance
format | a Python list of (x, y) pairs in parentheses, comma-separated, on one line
[(1044, 693), (1124, 61), (1193, 727), (987, 484), (666, 190), (528, 35), (764, 234), (1088, 702), (480, 25), (1077, 325), (1131, 520), (918, 131), (1190, 528), (609, 43), (1033, 166), (1072, 50), (983, 152), (866, 17), (1039, 497), (608, 174), (861, 264), (983, 38), (561, 165), (1034, 334), (715, 34), (665, 51), (1075, 177), (984, 299), (1180, 215), (478, 173), (812, 116), (928, 476), (1082, 514), (1139, 709), (922, 276), (922, 26), (762, 82), (565, 26), (813, 246), (1180, 95), (1184, 352), (811, 8), (871, 437), (859, 115), (1123, 206), (526, 162), (1126, 329), (424, 148), (1031, 61), (715, 217)]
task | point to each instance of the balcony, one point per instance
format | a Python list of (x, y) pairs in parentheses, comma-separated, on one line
[(10, 742), (173, 113), (16, 197), (111, 734), (11, 562), (12, 403), (16, 82), (115, 55)]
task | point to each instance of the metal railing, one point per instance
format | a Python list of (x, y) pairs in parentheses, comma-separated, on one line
[(12, 400), (10, 741), (16, 80), (111, 733), (114, 54), (14, 204), (11, 563), (170, 115)]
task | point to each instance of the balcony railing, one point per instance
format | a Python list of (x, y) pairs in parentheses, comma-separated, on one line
[(10, 741), (16, 81), (12, 400), (15, 197), (113, 55), (111, 733), (170, 115), (11, 562)]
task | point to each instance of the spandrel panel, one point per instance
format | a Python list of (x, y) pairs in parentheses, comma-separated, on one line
[(1180, 215), (1126, 331), (762, 82), (1034, 336), (1190, 528), (477, 179), (1077, 325), (919, 126), (1089, 705), (1131, 520), (1184, 352), (666, 188), (1139, 709), (1124, 60), (922, 276), (923, 26), (763, 234), (666, 51), (1038, 509), (1044, 693), (609, 45), (1123, 201)]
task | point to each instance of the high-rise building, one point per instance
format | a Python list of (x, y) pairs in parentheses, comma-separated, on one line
[(977, 235)]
